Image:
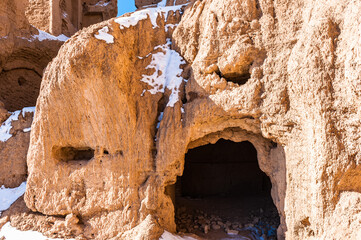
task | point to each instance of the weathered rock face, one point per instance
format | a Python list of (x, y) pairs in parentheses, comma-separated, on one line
[(281, 75), (24, 53), (119, 195), (4, 114), (68, 16), (301, 57), (14, 144)]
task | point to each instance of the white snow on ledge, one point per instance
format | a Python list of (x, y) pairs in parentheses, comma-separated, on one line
[(102, 4), (28, 110), (11, 233), (152, 13), (27, 129), (168, 236), (9, 195), (6, 126), (134, 18), (167, 72), (104, 35), (46, 36)]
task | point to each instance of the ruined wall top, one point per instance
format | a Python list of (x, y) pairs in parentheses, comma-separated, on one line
[(68, 16), (147, 3)]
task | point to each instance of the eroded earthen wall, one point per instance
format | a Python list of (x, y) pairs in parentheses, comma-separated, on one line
[(282, 75), (38, 13), (68, 16)]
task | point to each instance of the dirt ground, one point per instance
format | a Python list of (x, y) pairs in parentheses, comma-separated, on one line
[(245, 218)]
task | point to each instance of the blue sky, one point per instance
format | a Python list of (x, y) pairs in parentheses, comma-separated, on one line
[(125, 6)]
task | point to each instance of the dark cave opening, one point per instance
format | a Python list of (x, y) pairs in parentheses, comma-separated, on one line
[(222, 189), (67, 154)]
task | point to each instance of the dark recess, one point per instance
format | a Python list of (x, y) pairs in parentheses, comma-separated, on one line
[(21, 81), (237, 78), (67, 154), (225, 168)]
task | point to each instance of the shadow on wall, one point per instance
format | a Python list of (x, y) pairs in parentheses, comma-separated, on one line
[(21, 75), (225, 168)]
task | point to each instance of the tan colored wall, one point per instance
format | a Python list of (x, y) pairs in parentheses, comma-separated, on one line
[(302, 59), (68, 16), (38, 13)]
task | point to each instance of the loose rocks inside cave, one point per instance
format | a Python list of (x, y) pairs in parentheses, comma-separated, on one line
[(222, 191)]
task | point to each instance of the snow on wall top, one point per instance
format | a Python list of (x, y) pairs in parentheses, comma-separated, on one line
[(11, 233), (152, 13), (6, 126), (46, 36), (168, 236), (134, 18), (104, 35), (167, 72), (9, 195)]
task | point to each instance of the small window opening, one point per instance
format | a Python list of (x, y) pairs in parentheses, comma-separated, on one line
[(66, 154), (21, 81), (237, 78)]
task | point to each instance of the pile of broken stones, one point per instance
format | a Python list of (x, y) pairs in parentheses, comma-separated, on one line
[(259, 225)]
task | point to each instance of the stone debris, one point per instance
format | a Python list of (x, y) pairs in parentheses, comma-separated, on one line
[(232, 232), (258, 224)]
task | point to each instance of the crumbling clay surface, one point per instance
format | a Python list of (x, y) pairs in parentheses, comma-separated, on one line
[(4, 114), (14, 148), (97, 180), (24, 53), (282, 75), (300, 56), (68, 16)]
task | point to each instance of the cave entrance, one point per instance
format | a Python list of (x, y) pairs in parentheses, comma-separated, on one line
[(223, 192)]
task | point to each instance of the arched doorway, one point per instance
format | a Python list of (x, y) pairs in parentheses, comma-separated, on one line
[(223, 192)]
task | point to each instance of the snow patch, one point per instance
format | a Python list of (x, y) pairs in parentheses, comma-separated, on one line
[(6, 126), (170, 26), (28, 110), (167, 72), (152, 13), (11, 233), (104, 35), (168, 236), (102, 4), (46, 36), (9, 195), (162, 3), (27, 129)]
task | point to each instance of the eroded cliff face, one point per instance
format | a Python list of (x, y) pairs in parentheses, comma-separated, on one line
[(281, 75), (25, 51), (68, 16), (110, 192), (302, 56)]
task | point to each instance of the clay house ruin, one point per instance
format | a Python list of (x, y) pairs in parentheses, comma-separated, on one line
[(68, 16), (197, 117)]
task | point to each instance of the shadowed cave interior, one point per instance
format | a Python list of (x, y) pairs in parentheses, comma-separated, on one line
[(223, 190)]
